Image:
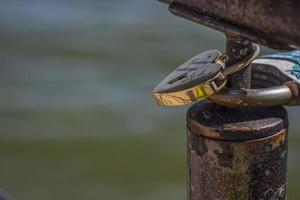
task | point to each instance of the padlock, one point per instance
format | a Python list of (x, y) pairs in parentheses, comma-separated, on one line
[(276, 70), (198, 78), (275, 80)]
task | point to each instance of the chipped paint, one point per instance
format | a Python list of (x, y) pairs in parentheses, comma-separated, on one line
[(235, 169)]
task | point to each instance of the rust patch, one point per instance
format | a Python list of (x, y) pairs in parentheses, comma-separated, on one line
[(233, 169), (233, 124), (263, 22), (237, 170), (205, 131)]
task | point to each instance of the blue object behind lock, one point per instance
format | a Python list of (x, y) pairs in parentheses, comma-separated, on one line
[(293, 56)]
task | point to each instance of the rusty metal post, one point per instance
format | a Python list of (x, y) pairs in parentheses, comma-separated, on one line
[(236, 50), (236, 154)]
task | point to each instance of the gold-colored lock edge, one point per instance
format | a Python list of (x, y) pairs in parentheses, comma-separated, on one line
[(187, 96)]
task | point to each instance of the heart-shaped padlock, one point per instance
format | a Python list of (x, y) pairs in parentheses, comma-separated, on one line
[(198, 78)]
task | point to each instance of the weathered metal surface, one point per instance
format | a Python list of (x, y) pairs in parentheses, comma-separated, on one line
[(233, 153), (236, 50), (236, 154), (264, 22), (235, 124)]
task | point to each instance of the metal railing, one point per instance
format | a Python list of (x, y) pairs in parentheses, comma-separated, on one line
[(236, 150)]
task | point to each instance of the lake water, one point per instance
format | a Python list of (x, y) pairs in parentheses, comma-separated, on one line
[(77, 120)]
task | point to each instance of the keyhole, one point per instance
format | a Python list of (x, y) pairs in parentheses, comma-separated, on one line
[(180, 77)]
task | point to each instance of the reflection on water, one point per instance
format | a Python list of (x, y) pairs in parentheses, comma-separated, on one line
[(77, 117)]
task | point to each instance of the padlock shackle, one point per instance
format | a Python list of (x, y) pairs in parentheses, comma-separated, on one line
[(279, 95)]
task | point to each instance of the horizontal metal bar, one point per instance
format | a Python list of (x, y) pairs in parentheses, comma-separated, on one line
[(272, 23)]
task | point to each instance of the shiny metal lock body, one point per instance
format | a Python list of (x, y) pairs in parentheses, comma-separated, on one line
[(199, 78), (196, 79)]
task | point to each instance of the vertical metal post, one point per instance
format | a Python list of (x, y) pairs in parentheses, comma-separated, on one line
[(236, 154), (236, 49)]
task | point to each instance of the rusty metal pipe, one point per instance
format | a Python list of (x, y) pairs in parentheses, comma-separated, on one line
[(236, 50), (263, 22), (236, 154)]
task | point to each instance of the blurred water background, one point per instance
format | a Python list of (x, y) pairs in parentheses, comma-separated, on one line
[(77, 120)]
